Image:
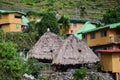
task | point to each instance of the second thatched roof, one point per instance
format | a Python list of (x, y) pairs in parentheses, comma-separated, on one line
[(46, 47), (74, 51)]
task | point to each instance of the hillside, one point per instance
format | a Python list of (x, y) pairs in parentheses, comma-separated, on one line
[(83, 9)]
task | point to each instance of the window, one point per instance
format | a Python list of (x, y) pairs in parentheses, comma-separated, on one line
[(103, 33), (60, 26), (92, 35), (18, 16), (84, 36), (0, 16), (71, 31), (74, 25), (118, 31)]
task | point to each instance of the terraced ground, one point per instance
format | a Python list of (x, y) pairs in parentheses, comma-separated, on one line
[(83, 9)]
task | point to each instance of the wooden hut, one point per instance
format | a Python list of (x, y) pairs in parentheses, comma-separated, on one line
[(73, 52), (46, 47)]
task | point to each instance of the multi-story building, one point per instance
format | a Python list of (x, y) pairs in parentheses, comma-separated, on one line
[(11, 21), (105, 37), (76, 24)]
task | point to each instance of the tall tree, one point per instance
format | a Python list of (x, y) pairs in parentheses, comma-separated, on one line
[(65, 23), (48, 21), (111, 16)]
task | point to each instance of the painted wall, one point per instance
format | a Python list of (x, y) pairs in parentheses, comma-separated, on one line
[(98, 40), (11, 24), (106, 61), (15, 27), (110, 62), (73, 28), (116, 62), (6, 28), (4, 18)]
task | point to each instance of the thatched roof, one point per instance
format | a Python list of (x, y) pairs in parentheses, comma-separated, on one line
[(74, 51), (46, 46)]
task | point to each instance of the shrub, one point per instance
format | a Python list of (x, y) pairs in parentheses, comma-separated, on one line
[(80, 73), (10, 65), (34, 67)]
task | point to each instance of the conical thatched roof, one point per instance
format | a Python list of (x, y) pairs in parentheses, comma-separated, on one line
[(46, 46), (74, 51)]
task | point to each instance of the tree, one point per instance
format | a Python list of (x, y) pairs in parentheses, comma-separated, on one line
[(65, 21), (65, 25), (112, 16), (48, 21), (10, 65)]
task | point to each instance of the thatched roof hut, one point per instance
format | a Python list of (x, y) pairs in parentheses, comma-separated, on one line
[(46, 47), (74, 52)]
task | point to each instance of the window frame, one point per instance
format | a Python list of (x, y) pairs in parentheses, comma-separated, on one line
[(18, 16), (92, 35), (74, 25), (103, 33)]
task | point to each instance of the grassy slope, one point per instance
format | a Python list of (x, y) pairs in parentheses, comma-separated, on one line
[(94, 9)]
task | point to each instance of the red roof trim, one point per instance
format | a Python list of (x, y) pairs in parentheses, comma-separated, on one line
[(108, 51)]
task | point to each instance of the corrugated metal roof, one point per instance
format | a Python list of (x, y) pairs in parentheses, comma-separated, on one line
[(115, 25), (87, 26), (25, 21), (84, 21), (9, 11)]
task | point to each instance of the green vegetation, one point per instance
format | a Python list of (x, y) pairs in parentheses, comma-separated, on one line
[(11, 67), (24, 41), (80, 73), (112, 16), (65, 23), (33, 67), (91, 9), (48, 21), (94, 76)]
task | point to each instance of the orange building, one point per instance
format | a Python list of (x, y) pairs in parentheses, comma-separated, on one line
[(11, 21)]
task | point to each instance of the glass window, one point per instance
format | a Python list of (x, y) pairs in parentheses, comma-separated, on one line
[(74, 25), (103, 33), (0, 16), (92, 35), (18, 16)]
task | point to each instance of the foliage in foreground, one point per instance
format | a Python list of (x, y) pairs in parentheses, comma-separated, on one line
[(80, 73), (34, 67), (11, 67)]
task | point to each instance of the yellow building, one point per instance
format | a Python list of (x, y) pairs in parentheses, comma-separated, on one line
[(110, 61), (105, 37), (76, 24), (11, 21)]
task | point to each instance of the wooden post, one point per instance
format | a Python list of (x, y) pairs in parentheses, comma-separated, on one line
[(117, 76)]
